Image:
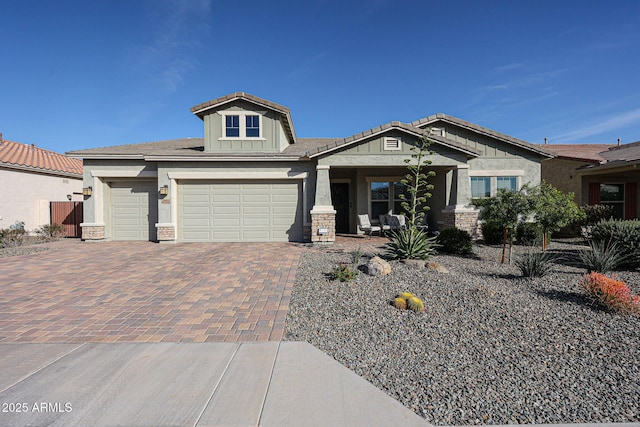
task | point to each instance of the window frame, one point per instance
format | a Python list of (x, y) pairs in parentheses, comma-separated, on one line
[(615, 203), (391, 199), (242, 122)]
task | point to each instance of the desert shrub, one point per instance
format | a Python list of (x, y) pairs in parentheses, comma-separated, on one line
[(454, 241), (534, 263), (602, 257), (343, 273), (611, 293), (356, 255), (626, 235), (410, 243), (492, 233), (51, 232), (13, 236)]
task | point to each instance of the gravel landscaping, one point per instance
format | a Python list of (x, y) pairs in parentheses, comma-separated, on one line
[(491, 347)]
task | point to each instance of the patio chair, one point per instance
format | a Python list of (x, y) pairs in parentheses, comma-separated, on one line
[(365, 225)]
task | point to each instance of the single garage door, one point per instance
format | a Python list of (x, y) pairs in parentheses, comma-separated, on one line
[(134, 210), (239, 211)]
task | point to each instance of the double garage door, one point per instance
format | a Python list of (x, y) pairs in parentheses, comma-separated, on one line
[(239, 211)]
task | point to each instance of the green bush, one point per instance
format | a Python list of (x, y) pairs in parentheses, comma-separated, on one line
[(625, 234), (492, 233), (343, 273), (528, 234), (602, 257), (454, 241), (534, 263), (595, 213), (410, 243)]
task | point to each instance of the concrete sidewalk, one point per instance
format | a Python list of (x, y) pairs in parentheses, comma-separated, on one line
[(187, 384)]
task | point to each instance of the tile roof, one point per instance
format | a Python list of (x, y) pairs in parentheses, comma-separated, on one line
[(191, 148), (16, 155), (426, 121), (626, 152), (200, 110), (332, 145), (585, 152)]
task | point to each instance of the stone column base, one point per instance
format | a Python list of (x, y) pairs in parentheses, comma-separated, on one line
[(92, 232), (464, 219), (166, 232), (323, 226)]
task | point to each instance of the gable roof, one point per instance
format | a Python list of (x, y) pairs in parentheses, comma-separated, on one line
[(627, 152), (354, 139), (580, 152), (15, 155), (203, 109), (426, 121)]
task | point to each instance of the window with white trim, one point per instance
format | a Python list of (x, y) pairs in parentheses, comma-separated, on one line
[(480, 186), (507, 183), (232, 126), (392, 144), (385, 198), (241, 125)]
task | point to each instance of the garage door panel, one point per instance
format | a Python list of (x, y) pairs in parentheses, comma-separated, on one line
[(192, 210), (197, 198), (134, 210), (242, 211)]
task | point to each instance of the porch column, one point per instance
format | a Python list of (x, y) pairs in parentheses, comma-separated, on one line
[(459, 213), (323, 216)]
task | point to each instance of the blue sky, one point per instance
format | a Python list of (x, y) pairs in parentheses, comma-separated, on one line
[(83, 74)]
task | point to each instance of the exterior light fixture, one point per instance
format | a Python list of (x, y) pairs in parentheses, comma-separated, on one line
[(69, 197), (87, 191), (164, 190)]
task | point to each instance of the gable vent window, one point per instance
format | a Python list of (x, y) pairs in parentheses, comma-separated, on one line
[(439, 132), (392, 144)]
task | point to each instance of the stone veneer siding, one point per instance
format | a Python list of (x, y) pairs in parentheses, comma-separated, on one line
[(166, 233), (93, 232), (327, 220), (467, 221)]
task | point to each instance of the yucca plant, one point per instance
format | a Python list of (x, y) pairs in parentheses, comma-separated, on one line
[(602, 256), (410, 243), (534, 264)]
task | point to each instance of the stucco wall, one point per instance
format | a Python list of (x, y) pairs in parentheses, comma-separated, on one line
[(25, 196), (562, 175)]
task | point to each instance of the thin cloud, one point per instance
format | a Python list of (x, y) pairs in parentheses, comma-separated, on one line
[(613, 123), (171, 53), (508, 67), (309, 65)]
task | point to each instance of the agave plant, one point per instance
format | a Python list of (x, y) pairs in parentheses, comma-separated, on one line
[(534, 263), (410, 243), (602, 257)]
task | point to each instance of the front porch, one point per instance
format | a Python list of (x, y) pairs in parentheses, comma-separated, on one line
[(342, 193)]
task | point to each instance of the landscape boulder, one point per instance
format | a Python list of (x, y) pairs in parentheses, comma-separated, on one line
[(377, 267)]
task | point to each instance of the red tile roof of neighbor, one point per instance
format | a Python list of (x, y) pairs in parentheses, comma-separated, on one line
[(29, 157), (586, 152)]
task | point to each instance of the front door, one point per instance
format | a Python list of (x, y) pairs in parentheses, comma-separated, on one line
[(340, 201)]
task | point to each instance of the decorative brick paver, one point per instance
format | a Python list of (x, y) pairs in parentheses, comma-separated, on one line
[(147, 292)]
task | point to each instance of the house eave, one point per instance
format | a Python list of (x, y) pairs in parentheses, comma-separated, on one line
[(106, 156), (219, 159), (40, 171)]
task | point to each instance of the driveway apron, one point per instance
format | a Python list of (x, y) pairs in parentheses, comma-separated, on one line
[(146, 292)]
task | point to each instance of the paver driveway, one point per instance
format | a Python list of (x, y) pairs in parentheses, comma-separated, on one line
[(147, 292)]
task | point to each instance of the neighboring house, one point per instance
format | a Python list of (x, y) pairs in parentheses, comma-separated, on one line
[(598, 174), (562, 170), (252, 179), (31, 178)]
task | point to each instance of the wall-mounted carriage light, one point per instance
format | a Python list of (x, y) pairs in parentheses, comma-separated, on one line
[(87, 191), (164, 190)]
